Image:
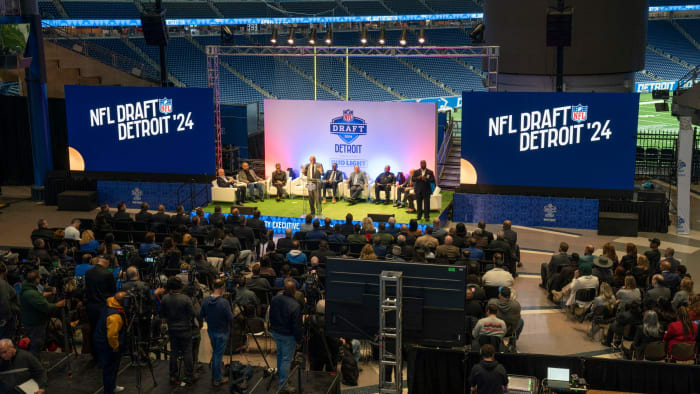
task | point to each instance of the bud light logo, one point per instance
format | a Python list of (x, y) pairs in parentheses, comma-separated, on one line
[(579, 113), (348, 127), (165, 106)]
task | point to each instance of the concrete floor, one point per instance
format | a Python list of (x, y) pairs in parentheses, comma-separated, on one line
[(547, 330)]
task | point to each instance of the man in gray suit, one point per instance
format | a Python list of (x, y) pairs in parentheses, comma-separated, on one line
[(657, 291), (357, 183), (313, 172), (556, 263)]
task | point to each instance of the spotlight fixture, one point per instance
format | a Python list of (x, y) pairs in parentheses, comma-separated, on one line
[(312, 36), (382, 36), (329, 36), (421, 36), (404, 34), (290, 39), (477, 34), (363, 36), (273, 38)]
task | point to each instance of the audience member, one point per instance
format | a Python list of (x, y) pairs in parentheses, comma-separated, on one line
[(508, 310), (668, 256), (18, 366), (447, 252), (682, 296), (656, 291), (427, 241), (491, 325), (629, 293), (556, 263), (382, 236), (348, 227), (316, 233), (629, 260), (307, 226), (653, 255), (367, 253), (681, 331), (35, 312), (296, 256), (72, 232), (256, 282), (650, 331), (497, 276), (640, 271), (671, 279)]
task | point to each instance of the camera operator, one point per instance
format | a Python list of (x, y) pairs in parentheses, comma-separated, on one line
[(99, 285), (109, 339), (178, 311), (9, 306), (24, 363), (35, 312), (245, 297), (217, 312), (319, 352), (204, 268), (134, 285), (285, 319)]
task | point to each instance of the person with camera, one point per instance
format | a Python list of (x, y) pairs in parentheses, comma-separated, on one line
[(178, 310), (141, 293), (99, 285), (285, 319), (109, 339), (24, 365), (323, 350), (217, 312), (9, 305), (35, 312)]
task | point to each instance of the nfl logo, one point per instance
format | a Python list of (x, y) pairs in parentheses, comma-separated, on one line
[(347, 115), (165, 106), (579, 113)]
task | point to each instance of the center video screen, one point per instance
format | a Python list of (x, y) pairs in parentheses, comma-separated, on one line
[(549, 140), (143, 130), (370, 135)]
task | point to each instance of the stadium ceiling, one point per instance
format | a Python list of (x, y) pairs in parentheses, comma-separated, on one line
[(299, 20)]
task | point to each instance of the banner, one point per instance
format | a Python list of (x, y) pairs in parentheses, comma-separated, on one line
[(563, 140), (135, 193), (526, 211), (685, 160), (140, 130), (370, 135)]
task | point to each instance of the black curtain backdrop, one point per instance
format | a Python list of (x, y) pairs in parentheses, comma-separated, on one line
[(653, 215), (16, 166), (433, 370)]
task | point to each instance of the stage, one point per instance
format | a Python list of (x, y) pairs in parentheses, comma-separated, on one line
[(289, 212)]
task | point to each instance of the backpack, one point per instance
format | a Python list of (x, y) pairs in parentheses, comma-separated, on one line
[(348, 367)]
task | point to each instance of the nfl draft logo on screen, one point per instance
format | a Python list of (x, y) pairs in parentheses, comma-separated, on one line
[(550, 212), (579, 113), (348, 128), (165, 105)]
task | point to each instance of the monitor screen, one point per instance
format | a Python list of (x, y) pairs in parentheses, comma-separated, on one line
[(559, 374)]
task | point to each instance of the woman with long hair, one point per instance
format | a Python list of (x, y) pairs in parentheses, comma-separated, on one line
[(629, 260), (605, 298), (651, 332), (367, 253), (609, 252), (683, 295), (629, 292), (641, 271), (88, 242), (682, 330)]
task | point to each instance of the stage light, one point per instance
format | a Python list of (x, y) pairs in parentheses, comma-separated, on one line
[(329, 36), (404, 34), (421, 36), (363, 36), (477, 34), (312, 36), (290, 39), (382, 36), (273, 38)]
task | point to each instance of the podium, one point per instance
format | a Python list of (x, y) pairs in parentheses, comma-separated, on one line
[(313, 196)]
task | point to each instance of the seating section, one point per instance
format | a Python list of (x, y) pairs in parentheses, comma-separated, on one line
[(663, 67), (118, 46), (247, 10), (692, 26), (453, 6), (101, 9), (48, 10), (407, 7), (662, 35), (640, 77), (196, 9), (366, 8), (320, 8)]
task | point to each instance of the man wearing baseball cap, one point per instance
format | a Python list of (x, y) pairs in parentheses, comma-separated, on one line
[(653, 255)]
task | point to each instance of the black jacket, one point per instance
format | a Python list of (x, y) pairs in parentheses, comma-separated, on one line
[(181, 219), (122, 216), (284, 244), (557, 262), (347, 229), (422, 187), (178, 311), (217, 219), (23, 359), (285, 316), (99, 285), (143, 217), (245, 234), (160, 222), (489, 377)]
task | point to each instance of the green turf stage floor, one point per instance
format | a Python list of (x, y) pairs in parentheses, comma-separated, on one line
[(293, 208)]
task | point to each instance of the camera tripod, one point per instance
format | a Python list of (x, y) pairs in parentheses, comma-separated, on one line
[(68, 340), (137, 346)]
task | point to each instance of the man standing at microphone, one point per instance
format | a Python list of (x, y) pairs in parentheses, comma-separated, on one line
[(313, 172), (422, 178)]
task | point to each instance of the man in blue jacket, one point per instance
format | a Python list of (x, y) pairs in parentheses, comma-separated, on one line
[(216, 311), (285, 319)]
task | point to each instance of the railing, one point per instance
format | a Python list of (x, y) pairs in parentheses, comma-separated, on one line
[(444, 149), (657, 155), (61, 36)]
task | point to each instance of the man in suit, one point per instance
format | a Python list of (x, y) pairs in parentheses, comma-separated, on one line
[(245, 233), (404, 190), (122, 215), (657, 291), (447, 251), (512, 238), (653, 255), (503, 246), (357, 183), (223, 181), (256, 223), (556, 263), (347, 228), (279, 181), (284, 245), (180, 218), (422, 178), (313, 172), (668, 256), (384, 182), (256, 188), (160, 221), (484, 232), (316, 234), (143, 216), (331, 180)]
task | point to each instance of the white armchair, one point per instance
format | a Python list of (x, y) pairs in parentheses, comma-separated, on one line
[(222, 194), (436, 200), (346, 191), (392, 193)]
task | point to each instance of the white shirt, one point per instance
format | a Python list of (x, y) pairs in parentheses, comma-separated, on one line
[(72, 233), (497, 277)]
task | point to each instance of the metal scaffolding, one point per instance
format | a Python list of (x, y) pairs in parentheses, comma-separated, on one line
[(390, 332), (489, 53)]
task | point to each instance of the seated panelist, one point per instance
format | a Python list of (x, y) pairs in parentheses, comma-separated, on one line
[(255, 185), (279, 180), (223, 181), (331, 179), (384, 182)]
